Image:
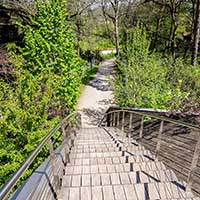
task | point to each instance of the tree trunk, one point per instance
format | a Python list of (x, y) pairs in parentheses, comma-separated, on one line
[(173, 29), (196, 35), (155, 35), (117, 35), (78, 32)]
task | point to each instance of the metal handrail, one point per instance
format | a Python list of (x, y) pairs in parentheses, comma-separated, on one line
[(4, 192), (185, 124), (112, 122)]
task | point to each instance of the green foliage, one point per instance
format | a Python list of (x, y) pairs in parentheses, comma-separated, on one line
[(108, 56), (48, 75), (89, 73), (142, 79)]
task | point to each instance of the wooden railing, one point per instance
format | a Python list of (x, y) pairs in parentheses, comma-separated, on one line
[(116, 118), (53, 176)]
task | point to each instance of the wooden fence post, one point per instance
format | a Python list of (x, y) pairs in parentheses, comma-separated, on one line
[(159, 138), (141, 127)]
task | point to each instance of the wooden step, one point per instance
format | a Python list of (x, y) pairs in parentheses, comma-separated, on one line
[(112, 168), (99, 179), (151, 191), (111, 160), (108, 166)]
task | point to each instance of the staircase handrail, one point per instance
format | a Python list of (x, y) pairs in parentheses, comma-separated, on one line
[(4, 192)]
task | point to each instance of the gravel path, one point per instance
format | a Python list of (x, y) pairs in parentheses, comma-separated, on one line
[(97, 96)]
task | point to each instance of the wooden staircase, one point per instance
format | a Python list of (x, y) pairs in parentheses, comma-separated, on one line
[(122, 159), (106, 165)]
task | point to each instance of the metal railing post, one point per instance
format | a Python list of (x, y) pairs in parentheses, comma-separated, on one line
[(72, 136), (114, 119), (53, 164), (141, 127), (79, 120), (159, 138), (108, 120), (130, 121), (66, 145), (123, 119), (118, 118), (193, 165)]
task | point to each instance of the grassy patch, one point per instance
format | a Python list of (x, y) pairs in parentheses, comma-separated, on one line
[(108, 56), (89, 74)]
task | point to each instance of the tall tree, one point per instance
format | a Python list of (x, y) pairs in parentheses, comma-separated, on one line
[(196, 34), (111, 9), (77, 9)]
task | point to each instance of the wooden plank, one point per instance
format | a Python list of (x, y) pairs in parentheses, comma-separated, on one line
[(174, 190), (78, 162), (119, 192), (94, 169), (97, 193), (139, 188), (86, 161), (144, 178), (130, 192), (102, 168), (69, 170), (108, 193), (132, 176), (111, 168), (124, 178), (126, 167), (96, 181), (93, 161), (114, 178), (66, 182), (119, 168), (74, 193), (162, 192), (116, 160), (76, 181), (105, 179), (136, 167), (85, 169), (100, 161), (153, 192), (86, 180), (77, 170), (64, 193), (86, 193)]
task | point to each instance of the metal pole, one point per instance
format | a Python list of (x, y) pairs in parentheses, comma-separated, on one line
[(159, 138), (193, 165), (118, 118), (114, 119), (130, 121), (53, 164), (66, 146), (123, 118), (141, 127)]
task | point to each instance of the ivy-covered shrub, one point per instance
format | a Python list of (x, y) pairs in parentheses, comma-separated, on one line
[(141, 80), (48, 76)]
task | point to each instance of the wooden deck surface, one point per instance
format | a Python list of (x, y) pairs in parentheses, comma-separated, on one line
[(104, 165)]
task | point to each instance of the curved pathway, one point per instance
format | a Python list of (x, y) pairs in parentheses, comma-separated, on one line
[(97, 96)]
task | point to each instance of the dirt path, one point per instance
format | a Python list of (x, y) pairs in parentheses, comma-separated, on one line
[(97, 96)]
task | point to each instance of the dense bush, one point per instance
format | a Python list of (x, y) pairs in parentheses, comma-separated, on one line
[(145, 80), (48, 77)]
